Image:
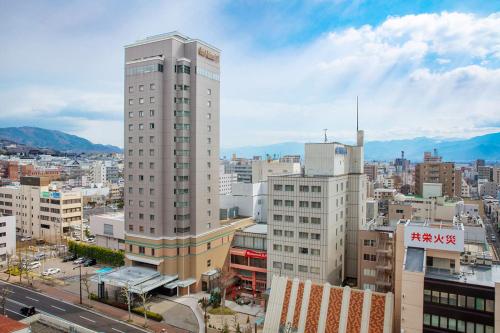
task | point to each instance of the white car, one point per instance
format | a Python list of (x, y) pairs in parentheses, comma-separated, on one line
[(51, 271), (25, 239), (34, 264)]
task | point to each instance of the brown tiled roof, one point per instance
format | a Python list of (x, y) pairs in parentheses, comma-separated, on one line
[(295, 296)]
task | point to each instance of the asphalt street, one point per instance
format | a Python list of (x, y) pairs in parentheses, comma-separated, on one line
[(491, 231), (19, 297)]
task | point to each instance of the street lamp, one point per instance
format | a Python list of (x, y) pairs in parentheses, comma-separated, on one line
[(80, 267)]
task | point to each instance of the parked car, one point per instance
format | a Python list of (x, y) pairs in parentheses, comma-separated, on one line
[(33, 265), (39, 256), (89, 262), (51, 271), (25, 239), (28, 311), (70, 257), (79, 261)]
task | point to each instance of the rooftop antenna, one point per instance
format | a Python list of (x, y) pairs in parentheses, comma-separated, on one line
[(357, 114), (326, 138)]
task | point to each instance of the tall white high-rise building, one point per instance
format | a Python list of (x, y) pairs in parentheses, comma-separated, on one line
[(314, 217)]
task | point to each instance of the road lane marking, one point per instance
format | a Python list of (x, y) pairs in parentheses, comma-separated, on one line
[(93, 321), (114, 329), (33, 299), (16, 312), (58, 308)]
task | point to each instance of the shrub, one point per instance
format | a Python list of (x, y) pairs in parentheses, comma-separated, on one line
[(101, 254), (225, 311), (151, 315)]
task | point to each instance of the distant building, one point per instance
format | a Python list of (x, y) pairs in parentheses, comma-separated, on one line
[(485, 173), (261, 170), (435, 171), (226, 181), (290, 159), (371, 172)]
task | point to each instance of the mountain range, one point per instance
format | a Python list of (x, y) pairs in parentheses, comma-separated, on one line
[(55, 140), (461, 150)]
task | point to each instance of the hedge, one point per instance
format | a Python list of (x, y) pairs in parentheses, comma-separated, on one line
[(101, 254), (151, 315)]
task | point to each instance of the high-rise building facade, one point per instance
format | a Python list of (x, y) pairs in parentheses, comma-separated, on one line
[(439, 172), (172, 155), (314, 217)]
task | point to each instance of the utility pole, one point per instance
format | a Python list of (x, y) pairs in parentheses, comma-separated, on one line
[(80, 267)]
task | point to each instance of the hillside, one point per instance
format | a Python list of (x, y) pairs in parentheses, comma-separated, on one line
[(56, 140)]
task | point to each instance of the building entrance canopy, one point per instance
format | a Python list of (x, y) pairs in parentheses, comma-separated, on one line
[(138, 279)]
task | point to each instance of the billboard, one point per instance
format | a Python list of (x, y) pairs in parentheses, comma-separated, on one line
[(434, 238), (51, 195)]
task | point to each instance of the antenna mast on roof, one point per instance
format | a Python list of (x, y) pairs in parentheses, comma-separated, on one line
[(357, 114), (326, 138)]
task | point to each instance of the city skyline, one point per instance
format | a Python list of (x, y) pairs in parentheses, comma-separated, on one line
[(399, 59)]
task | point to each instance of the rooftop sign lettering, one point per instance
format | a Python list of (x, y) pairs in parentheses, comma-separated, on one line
[(434, 238), (209, 55)]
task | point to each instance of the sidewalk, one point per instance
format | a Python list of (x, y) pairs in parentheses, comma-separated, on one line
[(192, 302), (98, 307)]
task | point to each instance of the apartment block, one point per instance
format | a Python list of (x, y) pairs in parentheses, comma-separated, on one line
[(314, 217), (42, 212), (262, 169), (376, 258), (485, 173), (438, 172), (226, 181)]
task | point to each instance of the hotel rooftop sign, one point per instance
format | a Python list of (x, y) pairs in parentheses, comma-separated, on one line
[(448, 239)]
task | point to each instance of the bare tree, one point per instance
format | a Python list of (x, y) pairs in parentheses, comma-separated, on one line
[(125, 292), (225, 278), (204, 302), (86, 283), (145, 299), (10, 265), (4, 292)]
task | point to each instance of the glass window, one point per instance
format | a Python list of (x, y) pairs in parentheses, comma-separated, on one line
[(288, 267), (461, 301), (141, 87), (453, 299), (443, 322), (276, 264), (480, 304), (452, 324), (489, 329), (470, 302), (490, 305), (460, 325), (479, 328), (444, 298), (427, 295), (435, 320), (289, 188), (303, 269), (427, 319), (469, 327), (435, 297)]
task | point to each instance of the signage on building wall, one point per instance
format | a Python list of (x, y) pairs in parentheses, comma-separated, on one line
[(341, 150), (434, 238), (255, 254), (51, 195), (207, 54)]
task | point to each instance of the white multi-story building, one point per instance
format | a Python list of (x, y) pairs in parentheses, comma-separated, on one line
[(262, 169), (42, 212), (314, 217), (7, 238), (109, 230), (98, 172), (226, 181), (250, 199)]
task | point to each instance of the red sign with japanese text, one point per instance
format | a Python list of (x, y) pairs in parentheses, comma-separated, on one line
[(450, 239)]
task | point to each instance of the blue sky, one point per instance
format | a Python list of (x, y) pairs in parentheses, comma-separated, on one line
[(289, 68)]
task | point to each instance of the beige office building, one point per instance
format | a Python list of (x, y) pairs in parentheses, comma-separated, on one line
[(314, 217), (172, 157), (42, 212)]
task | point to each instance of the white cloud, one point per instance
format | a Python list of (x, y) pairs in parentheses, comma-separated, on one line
[(426, 74)]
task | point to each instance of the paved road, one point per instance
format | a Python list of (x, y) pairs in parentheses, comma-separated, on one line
[(63, 310), (491, 231)]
